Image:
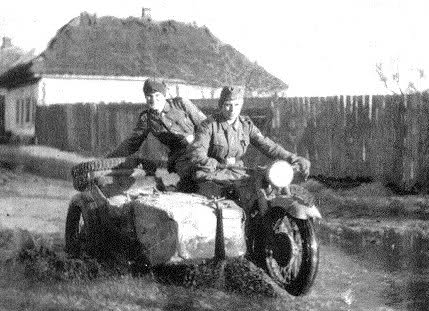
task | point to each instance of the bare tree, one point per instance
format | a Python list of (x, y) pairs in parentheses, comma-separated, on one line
[(398, 83)]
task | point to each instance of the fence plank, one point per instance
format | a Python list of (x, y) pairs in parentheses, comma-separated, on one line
[(422, 179), (338, 146), (314, 133), (365, 127), (375, 146)]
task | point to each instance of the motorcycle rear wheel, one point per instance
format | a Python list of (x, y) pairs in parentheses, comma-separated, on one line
[(291, 252)]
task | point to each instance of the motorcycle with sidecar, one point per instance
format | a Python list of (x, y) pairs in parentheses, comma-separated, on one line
[(130, 209)]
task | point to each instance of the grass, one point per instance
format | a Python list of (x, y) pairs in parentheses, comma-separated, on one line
[(368, 200)]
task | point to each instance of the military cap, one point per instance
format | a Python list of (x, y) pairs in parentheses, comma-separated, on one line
[(151, 86), (231, 93)]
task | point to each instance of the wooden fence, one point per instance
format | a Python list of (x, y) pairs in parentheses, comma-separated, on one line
[(96, 129), (381, 137)]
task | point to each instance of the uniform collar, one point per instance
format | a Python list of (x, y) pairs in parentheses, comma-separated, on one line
[(237, 125), (225, 125), (167, 108)]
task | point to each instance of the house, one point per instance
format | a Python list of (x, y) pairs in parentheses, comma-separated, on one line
[(14, 120), (93, 60)]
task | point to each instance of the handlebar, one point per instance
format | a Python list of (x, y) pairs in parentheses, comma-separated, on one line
[(298, 175), (295, 167)]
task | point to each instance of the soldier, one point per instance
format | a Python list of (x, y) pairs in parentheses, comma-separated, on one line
[(223, 139), (172, 121)]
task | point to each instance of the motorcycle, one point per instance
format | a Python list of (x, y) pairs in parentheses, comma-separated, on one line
[(263, 217), (280, 233)]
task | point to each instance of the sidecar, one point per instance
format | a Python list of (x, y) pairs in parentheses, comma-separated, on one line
[(123, 211)]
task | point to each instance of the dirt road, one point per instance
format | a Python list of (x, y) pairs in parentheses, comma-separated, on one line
[(34, 203)]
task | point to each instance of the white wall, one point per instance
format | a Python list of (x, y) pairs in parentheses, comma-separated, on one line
[(63, 90), (94, 89), (56, 89), (195, 91)]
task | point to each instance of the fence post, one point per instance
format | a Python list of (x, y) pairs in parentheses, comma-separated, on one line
[(93, 127), (423, 145)]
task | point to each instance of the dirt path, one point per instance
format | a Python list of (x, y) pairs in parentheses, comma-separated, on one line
[(34, 203)]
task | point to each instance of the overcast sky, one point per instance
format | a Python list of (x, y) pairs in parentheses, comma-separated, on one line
[(318, 47)]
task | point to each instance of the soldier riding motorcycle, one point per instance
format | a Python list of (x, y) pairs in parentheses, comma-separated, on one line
[(280, 234)]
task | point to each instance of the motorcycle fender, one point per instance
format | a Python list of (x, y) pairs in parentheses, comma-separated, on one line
[(295, 209)]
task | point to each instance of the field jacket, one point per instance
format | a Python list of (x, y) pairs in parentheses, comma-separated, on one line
[(178, 120), (218, 142)]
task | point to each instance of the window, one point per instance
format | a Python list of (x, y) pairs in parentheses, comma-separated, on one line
[(33, 110), (28, 110), (25, 111), (17, 110), (22, 111)]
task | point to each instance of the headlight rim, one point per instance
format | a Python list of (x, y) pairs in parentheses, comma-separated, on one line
[(287, 173)]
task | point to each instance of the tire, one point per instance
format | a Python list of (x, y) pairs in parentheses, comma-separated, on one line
[(80, 172), (291, 252), (76, 235)]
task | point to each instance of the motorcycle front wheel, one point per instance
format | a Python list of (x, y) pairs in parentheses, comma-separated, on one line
[(291, 252)]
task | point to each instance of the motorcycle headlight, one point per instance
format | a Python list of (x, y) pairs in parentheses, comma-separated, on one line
[(280, 174)]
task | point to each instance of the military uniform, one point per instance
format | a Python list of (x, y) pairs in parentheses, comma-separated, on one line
[(218, 143), (172, 126)]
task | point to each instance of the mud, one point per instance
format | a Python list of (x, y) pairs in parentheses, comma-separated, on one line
[(38, 260)]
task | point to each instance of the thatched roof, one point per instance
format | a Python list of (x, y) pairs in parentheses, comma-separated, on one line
[(88, 45)]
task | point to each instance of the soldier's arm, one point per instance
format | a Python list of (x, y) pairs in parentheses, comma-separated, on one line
[(195, 114), (267, 146), (132, 143), (198, 150)]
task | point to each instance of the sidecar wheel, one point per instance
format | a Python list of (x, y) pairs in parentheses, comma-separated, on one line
[(80, 171), (76, 235), (291, 252)]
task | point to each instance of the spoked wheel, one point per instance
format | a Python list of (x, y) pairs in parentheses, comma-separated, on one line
[(292, 252), (76, 235)]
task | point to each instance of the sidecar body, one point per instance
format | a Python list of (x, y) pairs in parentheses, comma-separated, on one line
[(123, 212)]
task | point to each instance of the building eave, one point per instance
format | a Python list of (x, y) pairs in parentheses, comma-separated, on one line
[(111, 77)]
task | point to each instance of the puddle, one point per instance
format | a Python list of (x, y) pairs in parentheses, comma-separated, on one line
[(399, 262)]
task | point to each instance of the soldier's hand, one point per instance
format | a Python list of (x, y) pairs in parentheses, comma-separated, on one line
[(221, 166), (186, 139), (190, 138), (303, 166)]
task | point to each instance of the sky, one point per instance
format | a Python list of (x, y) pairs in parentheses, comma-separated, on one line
[(318, 48)]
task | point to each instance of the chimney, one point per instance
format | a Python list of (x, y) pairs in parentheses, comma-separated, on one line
[(87, 19), (7, 43), (146, 13)]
